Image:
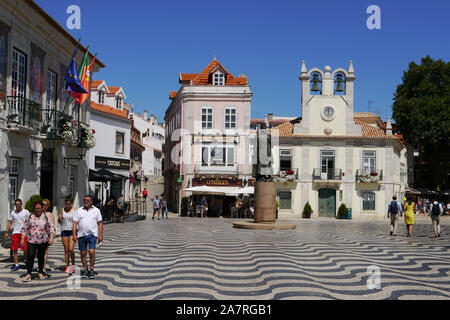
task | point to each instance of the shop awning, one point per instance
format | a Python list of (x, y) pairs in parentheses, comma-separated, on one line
[(104, 175), (204, 190), (412, 191), (246, 190)]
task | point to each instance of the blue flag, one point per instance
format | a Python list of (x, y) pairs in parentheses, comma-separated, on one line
[(73, 82)]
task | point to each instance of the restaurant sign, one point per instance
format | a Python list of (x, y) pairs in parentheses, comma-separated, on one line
[(111, 163), (217, 182)]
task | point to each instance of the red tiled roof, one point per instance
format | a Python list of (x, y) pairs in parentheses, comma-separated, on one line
[(113, 90), (109, 110), (172, 95), (368, 131), (96, 83), (204, 78)]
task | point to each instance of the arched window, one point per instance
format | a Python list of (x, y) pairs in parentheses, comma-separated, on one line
[(339, 83), (316, 83), (230, 118)]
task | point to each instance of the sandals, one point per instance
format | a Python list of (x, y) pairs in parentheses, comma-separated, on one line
[(27, 279)]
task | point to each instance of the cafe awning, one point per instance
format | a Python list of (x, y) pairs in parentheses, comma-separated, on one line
[(104, 175), (204, 190)]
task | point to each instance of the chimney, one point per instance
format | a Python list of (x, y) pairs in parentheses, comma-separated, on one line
[(266, 120), (145, 115), (270, 115)]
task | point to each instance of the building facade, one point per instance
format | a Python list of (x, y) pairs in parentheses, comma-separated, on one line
[(35, 52), (207, 136), (110, 157), (332, 155), (153, 136)]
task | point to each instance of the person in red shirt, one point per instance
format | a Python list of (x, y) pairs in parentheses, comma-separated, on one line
[(145, 193)]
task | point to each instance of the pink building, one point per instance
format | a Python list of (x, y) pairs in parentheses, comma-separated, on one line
[(207, 137)]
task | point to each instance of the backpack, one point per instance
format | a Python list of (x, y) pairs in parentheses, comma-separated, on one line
[(435, 211), (394, 207)]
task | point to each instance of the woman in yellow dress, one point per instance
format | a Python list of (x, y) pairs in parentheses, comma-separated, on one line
[(409, 216)]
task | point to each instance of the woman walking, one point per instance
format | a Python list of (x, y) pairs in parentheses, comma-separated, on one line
[(409, 216), (65, 219), (40, 231), (47, 205)]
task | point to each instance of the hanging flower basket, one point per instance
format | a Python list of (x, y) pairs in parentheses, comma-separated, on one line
[(67, 131), (87, 138)]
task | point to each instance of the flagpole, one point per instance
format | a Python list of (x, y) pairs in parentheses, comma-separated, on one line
[(62, 84)]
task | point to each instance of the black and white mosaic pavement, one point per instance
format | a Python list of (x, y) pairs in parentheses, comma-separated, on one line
[(191, 258)]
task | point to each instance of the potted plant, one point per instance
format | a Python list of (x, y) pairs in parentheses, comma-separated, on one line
[(342, 211), (307, 210), (184, 206), (30, 203)]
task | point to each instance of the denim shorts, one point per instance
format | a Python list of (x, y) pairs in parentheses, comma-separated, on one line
[(86, 241), (65, 234)]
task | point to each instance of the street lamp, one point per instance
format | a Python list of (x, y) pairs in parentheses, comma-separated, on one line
[(82, 150)]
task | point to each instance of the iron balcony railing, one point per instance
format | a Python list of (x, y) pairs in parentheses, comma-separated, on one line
[(24, 112), (369, 176), (330, 174), (285, 175)]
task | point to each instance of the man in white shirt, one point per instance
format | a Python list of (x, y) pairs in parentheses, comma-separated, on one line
[(156, 207), (88, 220), (436, 211), (17, 219)]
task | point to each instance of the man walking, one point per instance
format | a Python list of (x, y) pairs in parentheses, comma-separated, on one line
[(436, 211), (121, 207), (88, 219), (394, 210), (17, 219), (156, 207)]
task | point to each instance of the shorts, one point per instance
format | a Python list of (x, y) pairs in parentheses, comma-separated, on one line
[(157, 209), (86, 241), (65, 234), (15, 243)]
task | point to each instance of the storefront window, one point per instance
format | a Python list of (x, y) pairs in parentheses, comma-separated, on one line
[(285, 200)]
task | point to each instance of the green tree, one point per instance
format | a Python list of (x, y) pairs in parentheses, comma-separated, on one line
[(421, 110)]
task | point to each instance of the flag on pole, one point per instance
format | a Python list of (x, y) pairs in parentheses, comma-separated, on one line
[(72, 79), (85, 74)]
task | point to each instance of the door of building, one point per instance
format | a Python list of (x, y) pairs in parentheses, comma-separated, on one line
[(327, 203), (327, 164), (47, 175)]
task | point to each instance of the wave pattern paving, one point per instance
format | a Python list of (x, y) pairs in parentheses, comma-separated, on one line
[(188, 258)]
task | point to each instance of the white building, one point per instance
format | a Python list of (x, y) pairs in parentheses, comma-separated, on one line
[(35, 52), (153, 136), (332, 155), (111, 155)]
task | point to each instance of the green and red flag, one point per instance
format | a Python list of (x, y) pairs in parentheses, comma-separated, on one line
[(85, 76)]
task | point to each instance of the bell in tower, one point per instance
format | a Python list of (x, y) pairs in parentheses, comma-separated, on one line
[(315, 82), (340, 83)]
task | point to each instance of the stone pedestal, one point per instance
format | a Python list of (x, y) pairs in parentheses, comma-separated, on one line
[(265, 202), (265, 210)]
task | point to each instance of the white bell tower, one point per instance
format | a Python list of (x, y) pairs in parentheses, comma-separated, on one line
[(327, 102)]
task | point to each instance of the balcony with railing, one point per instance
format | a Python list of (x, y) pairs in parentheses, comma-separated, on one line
[(329, 175), (59, 125), (24, 112), (369, 176), (286, 175)]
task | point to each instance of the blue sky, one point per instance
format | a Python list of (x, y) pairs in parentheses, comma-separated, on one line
[(146, 44)]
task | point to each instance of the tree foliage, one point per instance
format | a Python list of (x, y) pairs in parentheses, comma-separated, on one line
[(422, 110)]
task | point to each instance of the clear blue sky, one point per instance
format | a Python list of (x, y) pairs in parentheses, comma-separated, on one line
[(146, 44)]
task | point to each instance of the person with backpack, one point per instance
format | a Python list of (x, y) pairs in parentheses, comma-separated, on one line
[(436, 212), (39, 230), (394, 211)]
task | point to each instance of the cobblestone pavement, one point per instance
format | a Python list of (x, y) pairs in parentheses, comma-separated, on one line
[(191, 258)]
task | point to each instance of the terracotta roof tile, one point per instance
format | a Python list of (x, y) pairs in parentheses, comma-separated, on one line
[(203, 78), (113, 90), (368, 131), (109, 110), (173, 94), (96, 83)]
